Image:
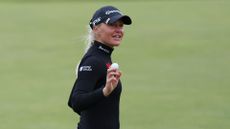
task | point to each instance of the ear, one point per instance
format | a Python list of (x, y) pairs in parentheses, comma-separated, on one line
[(95, 29)]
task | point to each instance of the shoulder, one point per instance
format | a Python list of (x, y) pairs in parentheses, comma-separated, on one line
[(91, 59), (90, 63), (90, 68)]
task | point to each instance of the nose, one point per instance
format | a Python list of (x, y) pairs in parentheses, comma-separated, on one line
[(119, 29)]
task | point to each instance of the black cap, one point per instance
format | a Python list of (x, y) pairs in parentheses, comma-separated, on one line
[(109, 15)]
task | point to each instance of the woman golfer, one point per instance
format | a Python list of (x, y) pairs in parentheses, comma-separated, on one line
[(96, 93)]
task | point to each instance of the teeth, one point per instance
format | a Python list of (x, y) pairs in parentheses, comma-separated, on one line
[(117, 36)]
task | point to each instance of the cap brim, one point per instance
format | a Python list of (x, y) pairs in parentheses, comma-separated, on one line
[(126, 19)]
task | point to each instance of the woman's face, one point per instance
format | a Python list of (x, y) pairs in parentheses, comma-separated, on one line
[(109, 34)]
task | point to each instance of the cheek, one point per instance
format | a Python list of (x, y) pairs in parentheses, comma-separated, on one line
[(122, 32), (103, 34), (107, 34)]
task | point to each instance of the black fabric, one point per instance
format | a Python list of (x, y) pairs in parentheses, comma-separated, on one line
[(96, 111)]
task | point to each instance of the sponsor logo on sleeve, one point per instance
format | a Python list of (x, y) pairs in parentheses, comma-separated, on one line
[(85, 68)]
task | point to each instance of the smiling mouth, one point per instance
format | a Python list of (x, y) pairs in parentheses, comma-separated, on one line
[(116, 36)]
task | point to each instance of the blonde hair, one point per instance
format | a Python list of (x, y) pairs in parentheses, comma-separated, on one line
[(88, 39)]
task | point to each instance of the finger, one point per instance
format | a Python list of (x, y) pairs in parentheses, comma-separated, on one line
[(111, 69), (117, 74), (114, 73), (111, 74), (111, 80)]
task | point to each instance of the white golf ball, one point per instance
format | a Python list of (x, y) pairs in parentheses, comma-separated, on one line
[(115, 66)]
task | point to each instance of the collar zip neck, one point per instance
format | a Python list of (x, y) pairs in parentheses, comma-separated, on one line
[(102, 47)]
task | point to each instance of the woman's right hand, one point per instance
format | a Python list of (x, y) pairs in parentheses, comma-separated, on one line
[(112, 79)]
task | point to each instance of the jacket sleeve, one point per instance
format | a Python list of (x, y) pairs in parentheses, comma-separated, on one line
[(84, 93)]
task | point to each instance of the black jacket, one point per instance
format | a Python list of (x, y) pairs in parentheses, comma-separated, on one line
[(96, 111)]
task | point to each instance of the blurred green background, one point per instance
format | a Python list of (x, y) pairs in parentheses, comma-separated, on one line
[(175, 60)]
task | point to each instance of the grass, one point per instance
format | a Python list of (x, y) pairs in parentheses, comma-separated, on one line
[(174, 58)]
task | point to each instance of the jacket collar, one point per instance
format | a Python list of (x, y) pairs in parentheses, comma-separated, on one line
[(103, 48)]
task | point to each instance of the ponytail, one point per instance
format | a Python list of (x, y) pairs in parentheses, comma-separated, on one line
[(89, 39)]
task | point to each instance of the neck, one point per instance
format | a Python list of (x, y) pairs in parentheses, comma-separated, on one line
[(106, 44)]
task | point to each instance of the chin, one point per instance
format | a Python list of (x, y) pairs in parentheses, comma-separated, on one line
[(116, 43)]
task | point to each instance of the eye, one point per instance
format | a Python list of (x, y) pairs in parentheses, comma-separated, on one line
[(121, 25), (117, 24), (112, 24)]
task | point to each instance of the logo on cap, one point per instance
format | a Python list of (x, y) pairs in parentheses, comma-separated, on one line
[(112, 11), (96, 21), (107, 21)]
